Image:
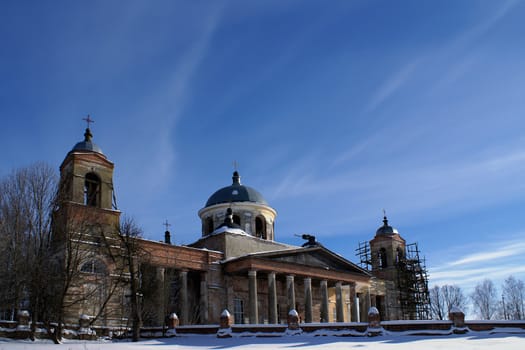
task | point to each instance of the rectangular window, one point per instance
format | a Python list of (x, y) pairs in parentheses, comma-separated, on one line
[(238, 311)]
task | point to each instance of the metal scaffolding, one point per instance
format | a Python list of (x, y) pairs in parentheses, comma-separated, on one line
[(413, 285), (411, 282)]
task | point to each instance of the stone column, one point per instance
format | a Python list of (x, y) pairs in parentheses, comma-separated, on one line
[(339, 308), (204, 298), (308, 314), (272, 299), (160, 296), (324, 301), (290, 292), (184, 307), (353, 299), (252, 296), (368, 302)]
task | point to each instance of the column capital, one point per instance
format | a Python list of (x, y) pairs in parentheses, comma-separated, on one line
[(252, 273)]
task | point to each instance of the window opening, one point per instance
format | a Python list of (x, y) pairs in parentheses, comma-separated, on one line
[(238, 311), (209, 225), (260, 227), (382, 258), (94, 266), (237, 220), (92, 190)]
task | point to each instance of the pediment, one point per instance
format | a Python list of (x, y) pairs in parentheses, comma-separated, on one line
[(316, 257)]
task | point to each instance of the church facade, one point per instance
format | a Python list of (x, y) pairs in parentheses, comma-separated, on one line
[(237, 264)]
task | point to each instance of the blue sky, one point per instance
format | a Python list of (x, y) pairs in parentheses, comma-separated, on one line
[(333, 110)]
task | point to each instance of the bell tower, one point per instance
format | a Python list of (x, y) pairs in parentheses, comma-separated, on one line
[(85, 229), (86, 193), (387, 249)]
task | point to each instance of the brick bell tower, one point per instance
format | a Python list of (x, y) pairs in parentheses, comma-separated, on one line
[(387, 250), (86, 193), (86, 232)]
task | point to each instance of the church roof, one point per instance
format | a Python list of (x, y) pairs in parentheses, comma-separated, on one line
[(87, 145), (318, 257), (236, 193), (386, 229)]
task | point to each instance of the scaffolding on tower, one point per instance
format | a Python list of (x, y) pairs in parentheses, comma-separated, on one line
[(411, 283)]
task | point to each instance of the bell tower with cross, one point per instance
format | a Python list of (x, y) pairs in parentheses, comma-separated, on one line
[(86, 181)]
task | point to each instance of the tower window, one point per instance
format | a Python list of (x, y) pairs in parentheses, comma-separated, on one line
[(400, 255), (382, 258), (237, 219), (260, 227), (92, 190), (209, 225)]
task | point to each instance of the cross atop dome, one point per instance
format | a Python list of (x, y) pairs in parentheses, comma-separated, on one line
[(88, 120)]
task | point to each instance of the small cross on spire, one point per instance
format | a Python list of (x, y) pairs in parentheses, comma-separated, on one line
[(235, 165), (88, 120), (166, 224)]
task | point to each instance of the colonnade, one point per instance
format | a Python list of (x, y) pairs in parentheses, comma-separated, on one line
[(184, 302), (253, 307)]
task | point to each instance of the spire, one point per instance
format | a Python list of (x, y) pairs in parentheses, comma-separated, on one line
[(236, 178), (385, 220), (88, 135), (167, 235)]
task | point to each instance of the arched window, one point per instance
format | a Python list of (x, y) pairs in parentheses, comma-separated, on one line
[(382, 258), (260, 227), (209, 225), (92, 190), (94, 266), (237, 219), (400, 256)]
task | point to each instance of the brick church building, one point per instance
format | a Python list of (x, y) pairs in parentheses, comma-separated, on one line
[(237, 264)]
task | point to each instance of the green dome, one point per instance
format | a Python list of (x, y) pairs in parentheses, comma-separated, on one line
[(236, 193)]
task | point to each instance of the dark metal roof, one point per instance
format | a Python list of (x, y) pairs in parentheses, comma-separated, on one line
[(87, 145), (386, 229), (236, 193)]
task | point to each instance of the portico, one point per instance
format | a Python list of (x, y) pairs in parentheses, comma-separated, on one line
[(302, 279)]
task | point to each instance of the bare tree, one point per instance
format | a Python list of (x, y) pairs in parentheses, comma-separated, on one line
[(26, 204), (454, 297), (484, 299), (513, 298), (444, 298), (129, 232), (437, 303)]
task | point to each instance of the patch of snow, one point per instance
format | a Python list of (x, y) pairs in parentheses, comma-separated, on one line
[(23, 313), (373, 311), (293, 312), (310, 341), (293, 331), (225, 313), (407, 322), (229, 230)]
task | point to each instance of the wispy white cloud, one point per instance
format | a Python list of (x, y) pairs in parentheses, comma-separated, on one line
[(391, 85), (164, 107), (484, 257), (482, 27), (494, 261), (496, 175)]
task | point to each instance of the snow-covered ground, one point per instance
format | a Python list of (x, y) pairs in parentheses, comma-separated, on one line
[(478, 341)]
